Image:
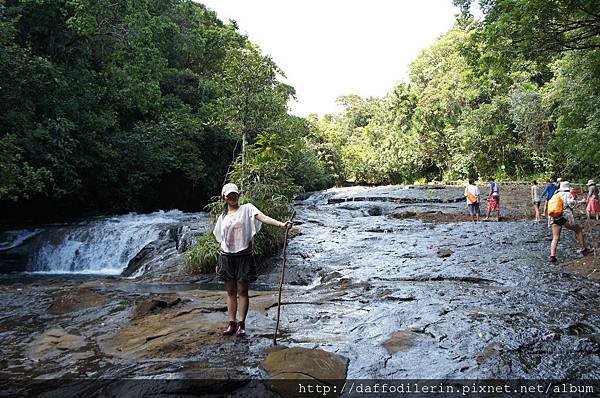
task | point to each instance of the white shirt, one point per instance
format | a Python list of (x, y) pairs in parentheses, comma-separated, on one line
[(474, 190), (535, 192), (236, 231)]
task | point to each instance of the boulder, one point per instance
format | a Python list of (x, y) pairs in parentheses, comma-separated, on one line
[(287, 366), (164, 254)]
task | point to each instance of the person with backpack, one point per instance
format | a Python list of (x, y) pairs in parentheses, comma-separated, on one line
[(535, 199), (547, 193), (472, 195), (493, 203), (593, 205), (235, 230), (560, 214)]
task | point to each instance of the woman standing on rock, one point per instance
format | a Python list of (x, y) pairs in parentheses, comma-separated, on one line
[(235, 230)]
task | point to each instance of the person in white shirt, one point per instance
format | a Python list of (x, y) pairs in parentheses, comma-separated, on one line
[(536, 199), (235, 230), (472, 195), (567, 220)]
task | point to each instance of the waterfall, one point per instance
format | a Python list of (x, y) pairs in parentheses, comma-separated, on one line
[(97, 246)]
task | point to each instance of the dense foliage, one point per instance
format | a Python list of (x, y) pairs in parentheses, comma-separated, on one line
[(514, 95), (132, 105)]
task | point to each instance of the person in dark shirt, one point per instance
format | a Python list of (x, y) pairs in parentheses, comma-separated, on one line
[(547, 193)]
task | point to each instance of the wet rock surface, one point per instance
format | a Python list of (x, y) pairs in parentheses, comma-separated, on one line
[(164, 255), (75, 301), (309, 365), (361, 284), (316, 364)]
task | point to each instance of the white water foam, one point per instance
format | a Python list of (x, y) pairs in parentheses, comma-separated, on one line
[(102, 246)]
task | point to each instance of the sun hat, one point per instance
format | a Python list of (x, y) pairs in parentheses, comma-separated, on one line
[(559, 180), (591, 182), (565, 186), (229, 188)]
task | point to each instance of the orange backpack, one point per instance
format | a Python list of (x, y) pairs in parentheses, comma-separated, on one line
[(555, 206), (471, 198)]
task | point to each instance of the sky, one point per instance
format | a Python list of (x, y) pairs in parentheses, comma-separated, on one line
[(329, 48)]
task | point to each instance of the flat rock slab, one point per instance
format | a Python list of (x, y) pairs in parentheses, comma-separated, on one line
[(189, 383), (319, 364), (53, 343), (76, 300), (400, 341), (154, 305)]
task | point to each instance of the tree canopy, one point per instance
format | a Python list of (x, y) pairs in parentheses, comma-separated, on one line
[(132, 105), (513, 95)]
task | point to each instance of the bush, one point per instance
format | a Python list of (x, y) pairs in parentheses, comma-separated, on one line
[(203, 257)]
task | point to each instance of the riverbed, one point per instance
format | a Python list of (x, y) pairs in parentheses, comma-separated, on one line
[(400, 295)]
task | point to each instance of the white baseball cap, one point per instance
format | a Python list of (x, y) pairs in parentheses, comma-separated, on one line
[(229, 188)]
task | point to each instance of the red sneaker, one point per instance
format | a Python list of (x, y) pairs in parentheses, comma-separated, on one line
[(230, 329), (241, 329)]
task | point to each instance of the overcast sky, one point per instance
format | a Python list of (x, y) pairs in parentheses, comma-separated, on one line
[(329, 48)]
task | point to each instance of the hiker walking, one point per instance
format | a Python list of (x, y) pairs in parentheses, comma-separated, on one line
[(493, 203), (593, 205), (547, 193), (472, 195), (536, 199), (560, 214), (235, 230)]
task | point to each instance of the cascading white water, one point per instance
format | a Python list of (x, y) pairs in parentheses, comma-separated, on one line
[(100, 246)]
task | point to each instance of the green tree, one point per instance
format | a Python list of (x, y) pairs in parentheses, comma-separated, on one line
[(538, 28)]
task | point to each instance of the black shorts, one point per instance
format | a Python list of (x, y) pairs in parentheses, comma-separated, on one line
[(560, 221), (239, 267)]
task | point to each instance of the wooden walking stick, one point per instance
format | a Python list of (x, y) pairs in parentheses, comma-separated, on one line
[(281, 280)]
